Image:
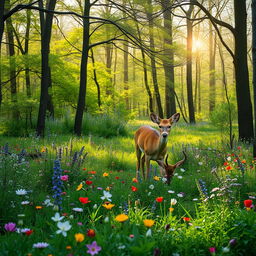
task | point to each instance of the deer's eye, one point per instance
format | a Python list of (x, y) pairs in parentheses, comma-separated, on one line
[(169, 127), (160, 126)]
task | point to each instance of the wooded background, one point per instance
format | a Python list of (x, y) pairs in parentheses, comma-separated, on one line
[(128, 58)]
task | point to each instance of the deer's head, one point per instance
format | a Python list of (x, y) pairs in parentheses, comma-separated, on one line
[(165, 124), (170, 168)]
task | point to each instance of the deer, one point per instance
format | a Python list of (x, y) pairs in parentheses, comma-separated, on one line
[(152, 144)]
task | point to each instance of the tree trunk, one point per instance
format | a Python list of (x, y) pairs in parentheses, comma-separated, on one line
[(96, 79), (168, 60), (254, 69), (189, 67), (212, 80), (245, 120), (83, 71), (126, 74), (46, 29), (153, 62), (1, 20)]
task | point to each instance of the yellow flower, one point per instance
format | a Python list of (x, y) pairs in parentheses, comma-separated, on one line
[(79, 237), (156, 178), (121, 218), (79, 187), (248, 209), (108, 206), (107, 188), (105, 174), (149, 223), (68, 247), (171, 209)]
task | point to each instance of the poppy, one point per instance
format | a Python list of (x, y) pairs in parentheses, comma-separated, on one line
[(159, 199), (84, 200), (248, 203)]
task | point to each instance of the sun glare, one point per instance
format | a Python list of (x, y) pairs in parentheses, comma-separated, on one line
[(197, 45)]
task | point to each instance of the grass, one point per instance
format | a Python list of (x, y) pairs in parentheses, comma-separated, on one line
[(213, 222)]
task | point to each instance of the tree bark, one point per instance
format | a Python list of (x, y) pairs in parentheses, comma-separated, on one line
[(46, 29), (245, 120), (83, 71), (189, 67), (254, 69), (126, 74), (168, 60)]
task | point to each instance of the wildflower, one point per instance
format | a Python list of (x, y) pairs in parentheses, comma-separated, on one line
[(68, 247), (148, 223), (228, 168), (40, 245), (39, 207), (180, 194), (63, 228), (151, 186), (64, 177), (135, 180), (232, 242), (79, 237), (91, 172), (84, 200), (171, 191), (91, 233), (200, 163), (108, 188), (105, 174), (10, 227), (29, 232), (186, 219), (212, 250), (106, 196), (57, 217), (47, 202), (131, 236), (156, 178), (93, 248), (121, 218), (182, 170), (106, 220), (225, 249), (159, 199), (117, 178), (80, 223), (248, 203), (79, 187), (57, 184), (108, 206), (180, 177), (76, 209), (164, 180), (88, 182), (21, 192), (25, 202), (149, 233), (134, 189), (173, 201), (171, 209)]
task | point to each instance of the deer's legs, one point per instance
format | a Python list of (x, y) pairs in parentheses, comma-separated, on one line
[(147, 159), (138, 154), (143, 166)]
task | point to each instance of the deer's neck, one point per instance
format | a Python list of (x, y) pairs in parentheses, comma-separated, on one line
[(162, 143)]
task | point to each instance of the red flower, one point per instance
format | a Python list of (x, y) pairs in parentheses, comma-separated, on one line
[(91, 233), (159, 199), (248, 203), (117, 178), (29, 232), (238, 147), (226, 163), (228, 168), (84, 200), (88, 182), (134, 189), (84, 169), (91, 172), (186, 219)]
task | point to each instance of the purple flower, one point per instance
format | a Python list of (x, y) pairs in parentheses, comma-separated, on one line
[(10, 227), (93, 248), (40, 245), (232, 242)]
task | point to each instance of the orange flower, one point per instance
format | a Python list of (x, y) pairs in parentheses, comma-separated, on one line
[(186, 219), (105, 174), (159, 199), (228, 168), (38, 207), (121, 218), (108, 206), (79, 187), (243, 161), (148, 223), (135, 180), (171, 209), (68, 247)]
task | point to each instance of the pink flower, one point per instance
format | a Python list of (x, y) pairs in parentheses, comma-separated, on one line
[(10, 227), (64, 177), (212, 250)]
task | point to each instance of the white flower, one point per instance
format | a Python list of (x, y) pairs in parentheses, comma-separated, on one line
[(164, 179), (25, 202), (200, 163), (149, 233), (106, 196), (179, 177), (57, 217), (40, 245), (106, 220), (225, 249), (182, 170), (173, 201), (149, 193), (171, 191), (47, 202), (151, 186), (180, 195), (21, 192), (229, 158), (95, 206), (176, 174), (77, 209), (195, 199), (63, 227), (215, 189)]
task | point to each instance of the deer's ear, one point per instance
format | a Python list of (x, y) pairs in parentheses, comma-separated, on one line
[(155, 118), (175, 118)]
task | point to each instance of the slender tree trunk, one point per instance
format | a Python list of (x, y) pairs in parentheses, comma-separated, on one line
[(126, 74), (245, 120), (83, 71), (46, 29), (168, 60), (153, 62), (96, 79), (212, 80), (2, 5), (254, 69), (189, 67)]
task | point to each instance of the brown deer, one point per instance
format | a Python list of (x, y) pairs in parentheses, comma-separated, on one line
[(153, 143)]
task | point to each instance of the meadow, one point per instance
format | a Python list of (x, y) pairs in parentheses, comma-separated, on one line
[(64, 195)]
